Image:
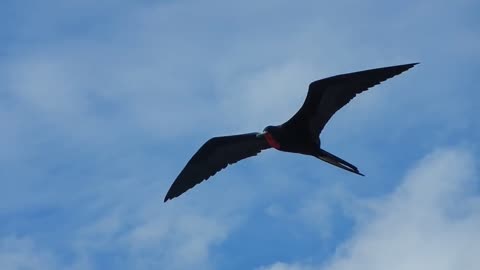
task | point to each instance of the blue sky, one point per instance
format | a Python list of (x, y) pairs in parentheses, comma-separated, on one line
[(102, 104)]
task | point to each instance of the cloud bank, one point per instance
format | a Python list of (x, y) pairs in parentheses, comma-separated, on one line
[(430, 221)]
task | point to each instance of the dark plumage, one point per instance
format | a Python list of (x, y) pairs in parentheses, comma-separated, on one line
[(300, 134)]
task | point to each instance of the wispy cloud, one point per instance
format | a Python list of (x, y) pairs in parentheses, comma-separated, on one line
[(22, 253)]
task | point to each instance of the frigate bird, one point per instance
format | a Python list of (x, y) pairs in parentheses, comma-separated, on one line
[(300, 134)]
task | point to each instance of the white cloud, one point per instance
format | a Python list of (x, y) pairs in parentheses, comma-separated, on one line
[(150, 234), (179, 240), (22, 254), (317, 211), (269, 96), (430, 221), (285, 266)]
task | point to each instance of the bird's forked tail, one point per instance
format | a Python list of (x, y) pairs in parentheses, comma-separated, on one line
[(336, 161)]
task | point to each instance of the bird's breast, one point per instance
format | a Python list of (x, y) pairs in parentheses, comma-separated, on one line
[(271, 141)]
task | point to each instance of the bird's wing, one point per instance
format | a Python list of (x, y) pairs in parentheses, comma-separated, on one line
[(327, 96), (216, 154)]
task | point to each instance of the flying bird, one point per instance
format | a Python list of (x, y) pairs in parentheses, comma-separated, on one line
[(300, 134)]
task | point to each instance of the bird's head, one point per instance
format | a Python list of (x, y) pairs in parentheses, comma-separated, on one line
[(270, 129), (273, 130)]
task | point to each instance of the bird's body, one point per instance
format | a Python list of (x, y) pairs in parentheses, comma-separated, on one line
[(300, 134), (291, 140)]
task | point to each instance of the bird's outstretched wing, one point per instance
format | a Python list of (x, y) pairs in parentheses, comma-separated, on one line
[(216, 154), (327, 96)]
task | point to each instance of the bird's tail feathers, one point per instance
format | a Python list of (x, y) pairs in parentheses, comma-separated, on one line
[(338, 162)]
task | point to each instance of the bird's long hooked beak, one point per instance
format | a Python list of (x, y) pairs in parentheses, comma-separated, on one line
[(261, 134)]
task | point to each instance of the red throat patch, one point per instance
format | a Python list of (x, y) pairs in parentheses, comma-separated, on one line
[(271, 141)]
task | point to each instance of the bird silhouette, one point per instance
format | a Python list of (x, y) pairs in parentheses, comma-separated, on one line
[(300, 134)]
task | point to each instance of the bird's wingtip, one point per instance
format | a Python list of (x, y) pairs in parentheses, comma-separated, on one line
[(410, 65), (407, 66)]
